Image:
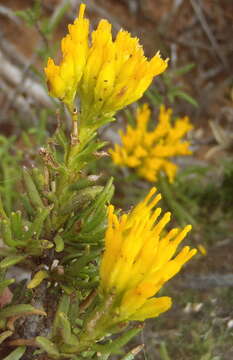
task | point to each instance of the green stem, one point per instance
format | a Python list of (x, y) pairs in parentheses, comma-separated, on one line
[(74, 137)]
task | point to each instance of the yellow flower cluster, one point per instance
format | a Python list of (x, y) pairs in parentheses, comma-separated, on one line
[(138, 260), (107, 75), (149, 151)]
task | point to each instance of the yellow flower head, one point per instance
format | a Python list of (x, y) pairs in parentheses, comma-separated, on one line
[(149, 151), (138, 260), (106, 74)]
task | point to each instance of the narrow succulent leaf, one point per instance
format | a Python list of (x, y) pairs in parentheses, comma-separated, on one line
[(74, 314), (32, 190), (87, 285), (5, 283), (95, 234), (116, 345), (27, 204), (155, 98), (94, 219), (37, 279), (7, 234), (76, 266), (20, 310), (11, 260), (61, 138), (81, 184), (6, 251), (63, 307), (71, 256), (106, 194), (4, 335), (186, 97), (59, 243), (184, 69), (65, 329), (16, 224), (81, 199), (16, 354), (2, 210), (38, 179), (48, 346), (37, 226), (98, 211), (82, 156)]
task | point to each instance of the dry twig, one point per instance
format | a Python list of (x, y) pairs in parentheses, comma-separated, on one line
[(202, 19)]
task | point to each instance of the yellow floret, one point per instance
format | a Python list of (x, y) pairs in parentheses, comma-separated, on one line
[(138, 259), (105, 74), (150, 151)]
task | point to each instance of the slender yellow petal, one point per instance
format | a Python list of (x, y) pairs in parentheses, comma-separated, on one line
[(152, 308)]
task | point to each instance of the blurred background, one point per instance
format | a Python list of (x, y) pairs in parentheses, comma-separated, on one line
[(196, 35)]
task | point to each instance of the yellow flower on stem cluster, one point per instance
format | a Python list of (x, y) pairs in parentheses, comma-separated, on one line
[(149, 151), (138, 259), (105, 74)]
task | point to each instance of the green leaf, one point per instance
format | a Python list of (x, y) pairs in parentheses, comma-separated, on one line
[(48, 346), (65, 328), (20, 310), (37, 279), (115, 345), (98, 233), (80, 199), (61, 139), (183, 70), (93, 219), (77, 266), (11, 260), (25, 16), (2, 211), (155, 98), (129, 117), (81, 184), (32, 190), (5, 251), (193, 170), (16, 354), (185, 96), (87, 285), (27, 205), (5, 283), (38, 179), (4, 335), (16, 224), (59, 243), (63, 307), (37, 226), (7, 234)]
